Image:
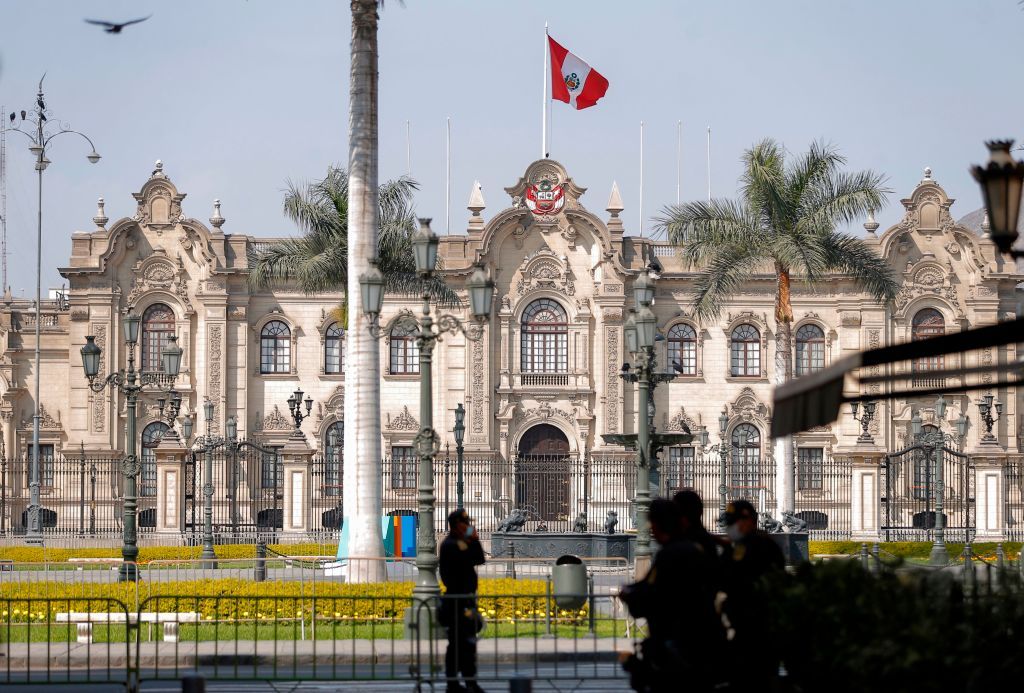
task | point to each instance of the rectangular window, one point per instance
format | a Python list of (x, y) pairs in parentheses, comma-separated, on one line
[(810, 463), (47, 465), (403, 466), (332, 356), (272, 470), (681, 468), (746, 359), (405, 356)]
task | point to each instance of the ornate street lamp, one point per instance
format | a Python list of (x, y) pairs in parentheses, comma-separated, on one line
[(131, 383), (985, 407), (427, 443), (295, 407), (35, 129), (460, 433), (1002, 180), (865, 420)]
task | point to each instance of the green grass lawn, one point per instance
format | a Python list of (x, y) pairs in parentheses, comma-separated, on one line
[(293, 630)]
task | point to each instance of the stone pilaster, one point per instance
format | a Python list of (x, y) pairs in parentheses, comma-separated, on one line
[(989, 494), (865, 494), (297, 458), (170, 485)]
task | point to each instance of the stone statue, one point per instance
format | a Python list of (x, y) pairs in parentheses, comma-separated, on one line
[(542, 526), (611, 521), (514, 522), (580, 525), (793, 523), (770, 524)]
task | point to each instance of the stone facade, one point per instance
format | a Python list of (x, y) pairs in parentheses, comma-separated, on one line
[(541, 246)]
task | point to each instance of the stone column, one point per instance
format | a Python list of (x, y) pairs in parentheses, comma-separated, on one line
[(988, 491), (865, 495), (297, 457), (170, 485)]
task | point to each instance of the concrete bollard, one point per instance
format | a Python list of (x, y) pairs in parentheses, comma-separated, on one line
[(876, 559), (519, 684), (969, 575), (260, 573), (864, 560), (193, 683), (1000, 557)]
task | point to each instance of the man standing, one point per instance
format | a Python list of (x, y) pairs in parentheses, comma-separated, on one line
[(752, 556), (460, 554)]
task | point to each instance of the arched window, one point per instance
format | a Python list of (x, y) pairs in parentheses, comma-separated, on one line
[(333, 459), (334, 349), (927, 323), (810, 349), (157, 328), (746, 351), (746, 460), (405, 352), (545, 338), (682, 349), (151, 437), (275, 348), (924, 469)]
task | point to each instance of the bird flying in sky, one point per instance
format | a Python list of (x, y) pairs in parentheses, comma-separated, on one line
[(113, 28)]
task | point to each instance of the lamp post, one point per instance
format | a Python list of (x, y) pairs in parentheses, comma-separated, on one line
[(460, 433), (933, 445), (131, 383), (722, 448), (427, 443), (865, 421), (1002, 180), (40, 138), (295, 403), (985, 407)]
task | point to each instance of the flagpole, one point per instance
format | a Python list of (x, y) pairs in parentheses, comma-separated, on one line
[(709, 163), (679, 157), (641, 179), (408, 151), (448, 176), (544, 99)]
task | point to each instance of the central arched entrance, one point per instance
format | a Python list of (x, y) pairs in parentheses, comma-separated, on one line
[(542, 474)]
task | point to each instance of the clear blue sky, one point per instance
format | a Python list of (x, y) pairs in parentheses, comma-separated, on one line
[(237, 96)]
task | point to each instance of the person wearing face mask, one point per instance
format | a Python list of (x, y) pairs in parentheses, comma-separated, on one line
[(460, 554), (751, 556)]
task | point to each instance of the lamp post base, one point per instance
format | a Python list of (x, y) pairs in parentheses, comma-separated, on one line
[(421, 620), (128, 572), (939, 555), (208, 558)]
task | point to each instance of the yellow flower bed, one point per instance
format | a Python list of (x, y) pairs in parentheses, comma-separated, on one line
[(235, 599), (33, 554)]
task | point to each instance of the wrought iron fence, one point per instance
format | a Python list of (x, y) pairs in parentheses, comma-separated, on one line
[(1013, 494), (910, 492)]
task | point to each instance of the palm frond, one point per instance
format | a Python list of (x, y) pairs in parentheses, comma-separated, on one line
[(852, 256), (723, 275), (700, 228), (843, 198), (763, 183)]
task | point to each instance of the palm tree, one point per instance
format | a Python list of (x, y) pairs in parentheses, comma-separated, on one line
[(786, 219)]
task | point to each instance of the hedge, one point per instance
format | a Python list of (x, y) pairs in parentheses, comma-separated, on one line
[(914, 549), (235, 599), (35, 554)]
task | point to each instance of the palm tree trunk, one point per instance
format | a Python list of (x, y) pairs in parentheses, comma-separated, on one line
[(785, 481), (362, 474)]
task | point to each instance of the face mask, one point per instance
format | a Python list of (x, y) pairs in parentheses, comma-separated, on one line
[(469, 531), (734, 533)]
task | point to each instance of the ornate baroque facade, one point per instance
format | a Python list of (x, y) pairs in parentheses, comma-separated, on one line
[(551, 355)]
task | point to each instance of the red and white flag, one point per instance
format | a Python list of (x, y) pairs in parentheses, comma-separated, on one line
[(572, 80)]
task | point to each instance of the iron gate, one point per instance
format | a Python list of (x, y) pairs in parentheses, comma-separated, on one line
[(910, 491), (248, 491)]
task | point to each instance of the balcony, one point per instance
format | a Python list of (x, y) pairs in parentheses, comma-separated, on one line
[(562, 382), (545, 379)]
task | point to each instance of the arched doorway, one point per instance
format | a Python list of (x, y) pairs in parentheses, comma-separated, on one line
[(542, 474)]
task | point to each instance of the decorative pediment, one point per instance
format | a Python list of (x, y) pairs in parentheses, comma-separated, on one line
[(682, 422), (158, 272), (543, 269), (404, 421), (159, 202), (748, 408), (927, 277), (46, 421), (274, 421)]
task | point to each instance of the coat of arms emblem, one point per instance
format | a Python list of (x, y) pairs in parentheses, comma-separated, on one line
[(544, 197)]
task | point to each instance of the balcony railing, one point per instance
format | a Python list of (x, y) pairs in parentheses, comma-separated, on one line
[(545, 379)]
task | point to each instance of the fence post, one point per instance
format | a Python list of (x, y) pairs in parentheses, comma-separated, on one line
[(519, 684), (591, 605), (1000, 557), (260, 573), (547, 606), (297, 459), (170, 485)]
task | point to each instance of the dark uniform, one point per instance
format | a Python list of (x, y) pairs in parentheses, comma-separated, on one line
[(676, 597), (749, 559), (458, 560)]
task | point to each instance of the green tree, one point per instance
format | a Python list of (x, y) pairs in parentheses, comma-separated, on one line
[(785, 222)]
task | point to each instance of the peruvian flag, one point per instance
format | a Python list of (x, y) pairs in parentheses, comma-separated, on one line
[(572, 80)]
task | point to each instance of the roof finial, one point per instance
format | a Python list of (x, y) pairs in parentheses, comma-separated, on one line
[(986, 227), (927, 175), (158, 172), (871, 225), (614, 206), (476, 199), (101, 217), (216, 221)]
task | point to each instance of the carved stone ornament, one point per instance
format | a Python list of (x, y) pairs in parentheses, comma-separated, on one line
[(546, 190), (159, 202), (927, 278), (748, 408), (274, 421), (682, 422), (545, 270), (405, 421), (46, 420), (157, 272)]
